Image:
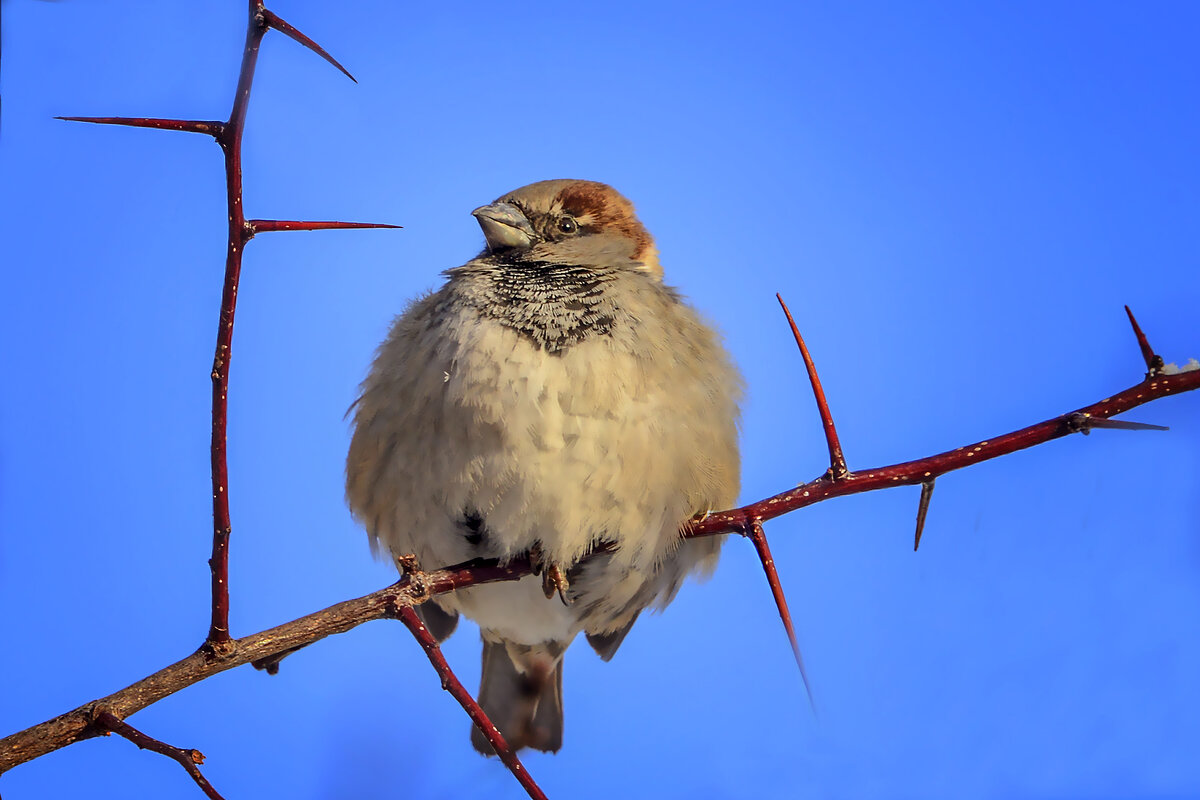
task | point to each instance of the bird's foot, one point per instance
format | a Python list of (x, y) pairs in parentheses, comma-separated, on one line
[(554, 577), (555, 580)]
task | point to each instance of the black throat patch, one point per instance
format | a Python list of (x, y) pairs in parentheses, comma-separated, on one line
[(554, 305)]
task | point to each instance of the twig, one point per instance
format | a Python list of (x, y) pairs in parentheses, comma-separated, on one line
[(453, 685), (188, 759)]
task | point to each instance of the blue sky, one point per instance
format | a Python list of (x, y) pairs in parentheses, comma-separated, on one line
[(955, 199)]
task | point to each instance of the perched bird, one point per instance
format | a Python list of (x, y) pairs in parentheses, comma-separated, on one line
[(553, 399)]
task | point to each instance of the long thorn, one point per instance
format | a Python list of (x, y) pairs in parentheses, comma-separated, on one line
[(1153, 361), (210, 127), (922, 509), (837, 461), (271, 225), (274, 21), (754, 531)]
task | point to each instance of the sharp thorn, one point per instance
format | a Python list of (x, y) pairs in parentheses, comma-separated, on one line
[(754, 531), (922, 509), (209, 127), (272, 225), (837, 460), (1153, 361), (274, 21), (1079, 422)]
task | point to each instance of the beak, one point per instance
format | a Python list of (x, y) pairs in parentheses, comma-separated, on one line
[(504, 227)]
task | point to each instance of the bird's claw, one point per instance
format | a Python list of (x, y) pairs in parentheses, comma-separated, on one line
[(554, 579)]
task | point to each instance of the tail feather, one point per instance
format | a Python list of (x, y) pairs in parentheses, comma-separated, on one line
[(548, 719), (525, 705)]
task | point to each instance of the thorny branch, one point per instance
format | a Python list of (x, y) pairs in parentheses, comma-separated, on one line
[(411, 590), (221, 652), (228, 135), (1157, 384)]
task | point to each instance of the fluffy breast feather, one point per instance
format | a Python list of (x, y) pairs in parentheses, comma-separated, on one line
[(618, 438)]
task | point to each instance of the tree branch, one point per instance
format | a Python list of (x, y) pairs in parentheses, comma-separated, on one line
[(385, 603)]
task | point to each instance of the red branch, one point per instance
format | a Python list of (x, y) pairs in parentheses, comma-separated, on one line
[(229, 135), (454, 686), (188, 759), (923, 470), (231, 144)]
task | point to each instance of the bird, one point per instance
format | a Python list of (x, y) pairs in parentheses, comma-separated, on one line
[(553, 399)]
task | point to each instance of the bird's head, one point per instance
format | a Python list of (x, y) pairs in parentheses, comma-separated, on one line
[(569, 222)]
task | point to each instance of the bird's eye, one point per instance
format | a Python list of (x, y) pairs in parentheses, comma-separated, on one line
[(567, 225)]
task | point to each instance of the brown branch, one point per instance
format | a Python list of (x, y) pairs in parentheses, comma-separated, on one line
[(453, 685), (188, 759), (78, 724), (837, 461), (753, 531)]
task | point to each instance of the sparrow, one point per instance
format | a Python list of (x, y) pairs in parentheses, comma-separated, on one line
[(553, 399)]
